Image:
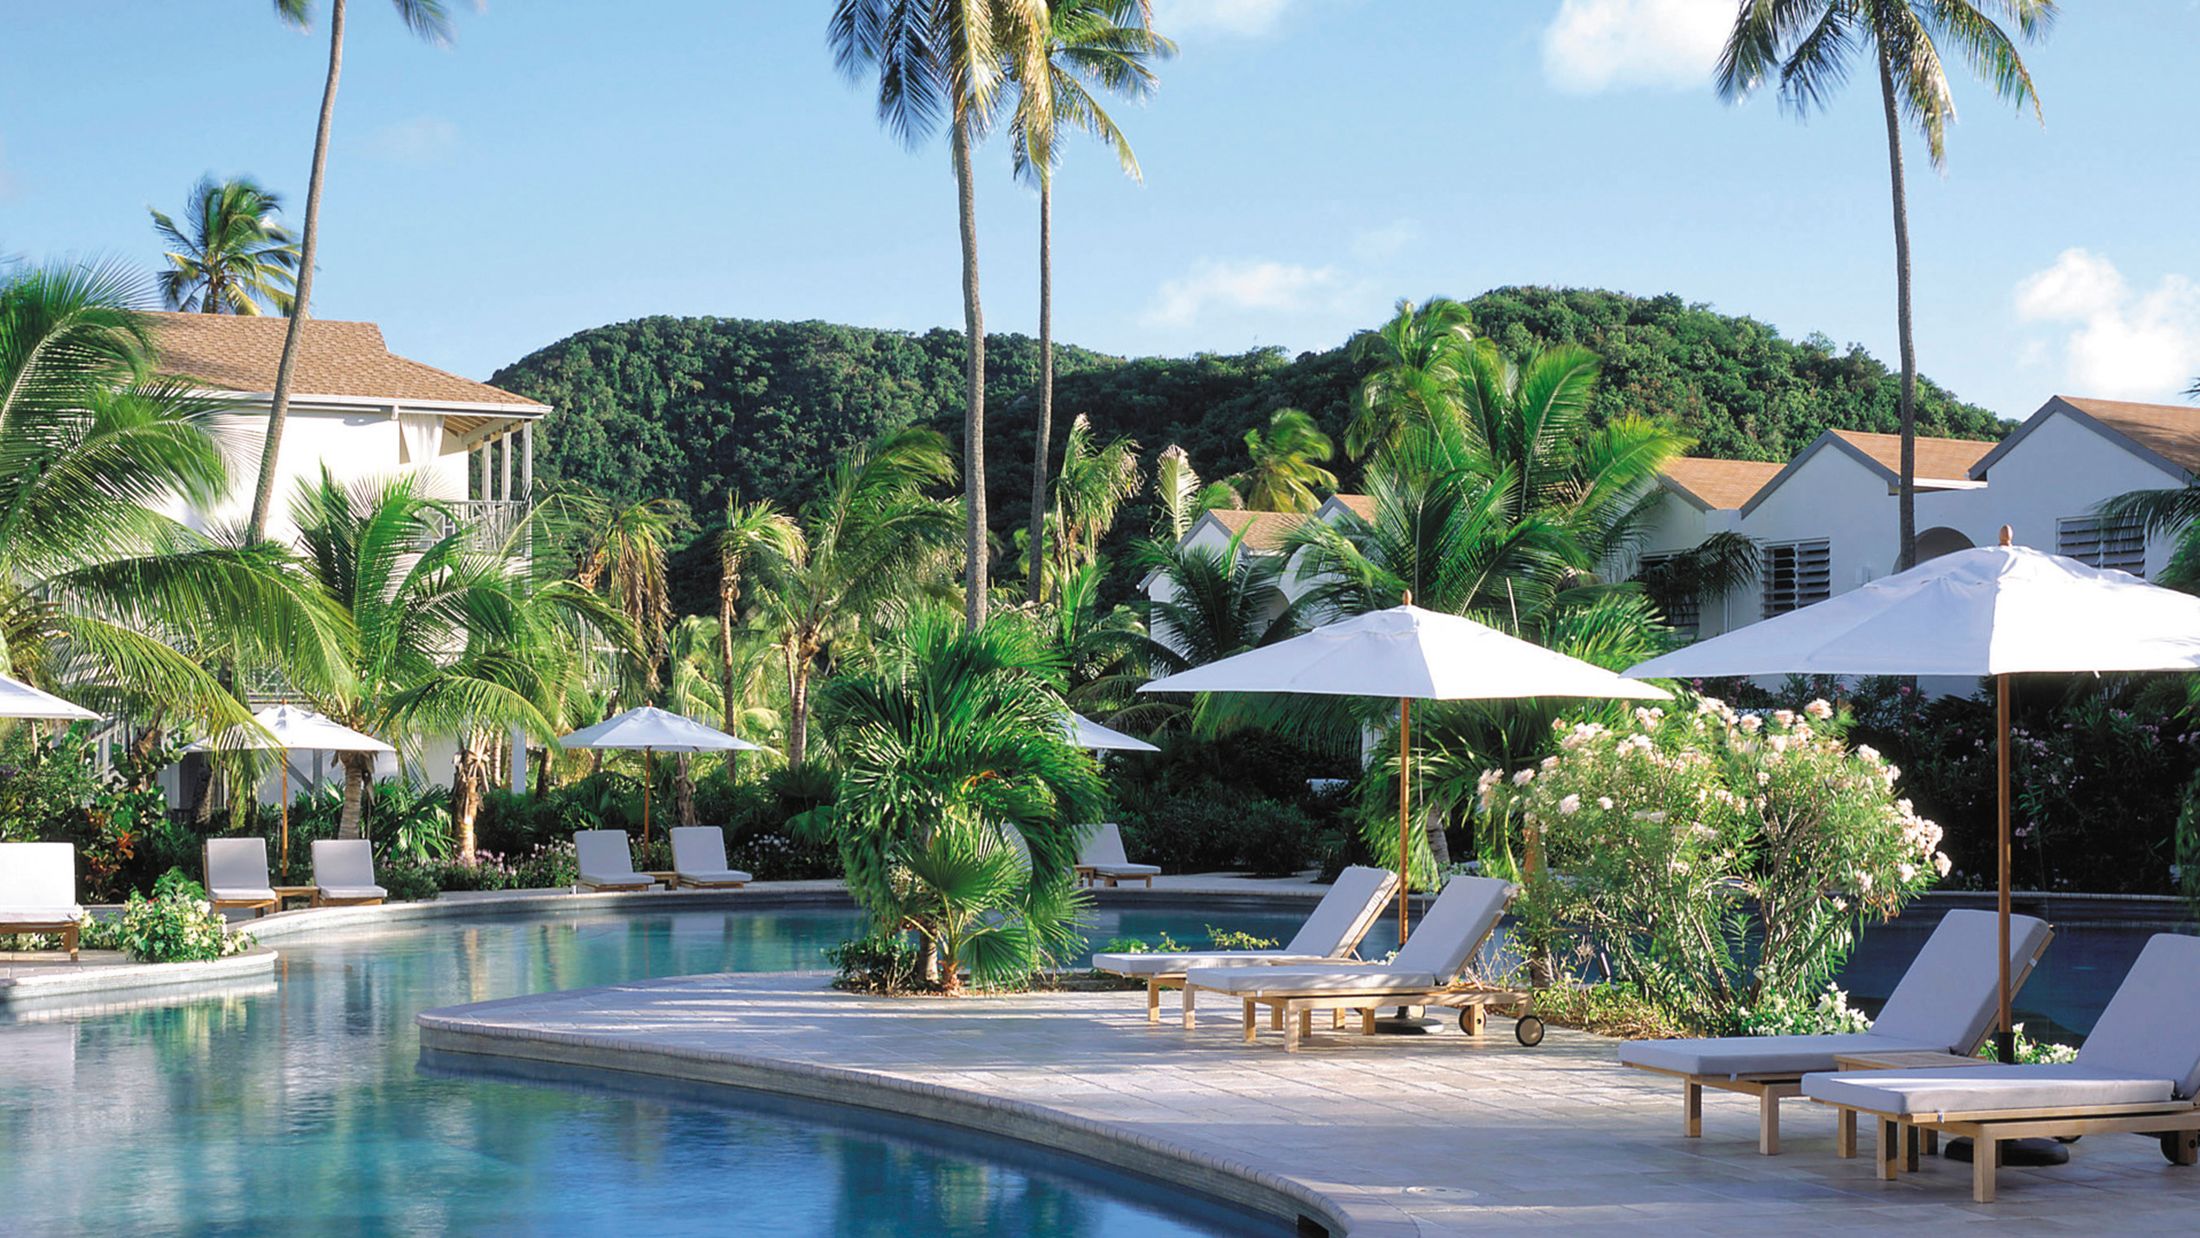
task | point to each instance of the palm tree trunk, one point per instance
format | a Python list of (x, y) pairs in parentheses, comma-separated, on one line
[(1037, 548), (966, 202), (263, 495), (469, 777), (1906, 501), (798, 710), (358, 770), (683, 787), (729, 592)]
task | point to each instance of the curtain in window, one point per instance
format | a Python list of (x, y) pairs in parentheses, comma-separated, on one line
[(419, 438)]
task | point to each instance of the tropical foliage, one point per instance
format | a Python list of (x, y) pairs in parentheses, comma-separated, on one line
[(229, 255), (1287, 474)]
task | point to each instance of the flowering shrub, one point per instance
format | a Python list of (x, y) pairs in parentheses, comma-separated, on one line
[(1778, 1015), (1721, 861), (176, 925)]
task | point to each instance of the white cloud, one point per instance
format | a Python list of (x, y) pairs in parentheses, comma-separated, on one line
[(1597, 45), (2121, 342), (1242, 18), (1386, 241), (1262, 287), (421, 140)]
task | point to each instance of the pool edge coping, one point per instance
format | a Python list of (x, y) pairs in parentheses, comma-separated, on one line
[(60, 987)]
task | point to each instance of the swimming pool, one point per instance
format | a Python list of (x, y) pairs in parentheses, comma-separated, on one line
[(305, 1109)]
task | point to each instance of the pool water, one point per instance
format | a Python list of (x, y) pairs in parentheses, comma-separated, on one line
[(303, 1107)]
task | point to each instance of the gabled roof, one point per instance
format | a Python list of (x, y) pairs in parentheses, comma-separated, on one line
[(2166, 434), (1263, 531), (1717, 485), (1946, 461), (232, 352)]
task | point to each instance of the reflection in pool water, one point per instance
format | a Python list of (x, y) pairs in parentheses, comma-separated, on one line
[(305, 1109)]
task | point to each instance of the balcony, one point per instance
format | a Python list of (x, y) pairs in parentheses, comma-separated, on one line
[(486, 524)]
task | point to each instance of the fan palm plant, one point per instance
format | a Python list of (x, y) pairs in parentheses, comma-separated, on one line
[(624, 556), (1811, 45), (425, 18), (100, 593), (1414, 363), (948, 59), (752, 534), (229, 256), (1287, 473), (872, 539), (1211, 603), (1108, 44), (1095, 481), (952, 751)]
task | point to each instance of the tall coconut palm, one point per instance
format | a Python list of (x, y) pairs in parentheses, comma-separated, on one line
[(1109, 44), (1095, 480), (1413, 363), (1811, 45), (752, 532), (947, 59), (625, 557), (101, 595), (428, 20), (873, 538), (1287, 473), (229, 255)]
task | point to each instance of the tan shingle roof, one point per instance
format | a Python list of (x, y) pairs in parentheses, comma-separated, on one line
[(1942, 459), (2171, 431), (1262, 530), (1721, 484), (230, 352), (1360, 505)]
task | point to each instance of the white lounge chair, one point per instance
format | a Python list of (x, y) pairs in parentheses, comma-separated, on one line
[(1945, 1003), (699, 859), (1426, 971), (343, 873), (38, 891), (1346, 912), (1102, 859), (607, 862), (2138, 1072), (236, 875)]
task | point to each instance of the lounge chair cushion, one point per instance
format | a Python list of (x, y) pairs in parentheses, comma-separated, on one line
[(1345, 913), (1971, 1089), (636, 880), (1125, 870), (2151, 1027), (699, 854), (1952, 990), (1445, 940), (605, 855), (1104, 852), (344, 868), (241, 894), (723, 876), (1731, 1056), (363, 891), (1327, 979), (40, 877), (41, 915), (236, 870), (1178, 963)]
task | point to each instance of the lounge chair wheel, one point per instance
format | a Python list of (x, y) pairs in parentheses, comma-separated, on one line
[(1528, 1031), (1466, 1021), (2174, 1144)]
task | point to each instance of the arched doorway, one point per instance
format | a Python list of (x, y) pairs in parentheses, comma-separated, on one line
[(1935, 542)]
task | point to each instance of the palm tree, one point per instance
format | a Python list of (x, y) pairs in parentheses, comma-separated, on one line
[(1811, 44), (751, 532), (872, 539), (1095, 481), (1413, 363), (229, 256), (713, 672), (1110, 44), (101, 594), (1184, 498), (425, 18), (1287, 467), (949, 57), (951, 746), (625, 557)]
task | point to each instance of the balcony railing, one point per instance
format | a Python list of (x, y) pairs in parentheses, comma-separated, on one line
[(487, 524)]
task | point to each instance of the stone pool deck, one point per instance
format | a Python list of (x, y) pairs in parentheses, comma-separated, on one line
[(1381, 1135)]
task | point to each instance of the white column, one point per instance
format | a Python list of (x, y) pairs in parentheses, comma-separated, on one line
[(480, 488), (527, 462), (505, 455)]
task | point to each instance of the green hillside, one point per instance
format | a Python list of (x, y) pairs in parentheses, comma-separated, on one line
[(695, 407)]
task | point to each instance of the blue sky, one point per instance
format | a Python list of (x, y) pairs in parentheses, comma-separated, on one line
[(567, 163)]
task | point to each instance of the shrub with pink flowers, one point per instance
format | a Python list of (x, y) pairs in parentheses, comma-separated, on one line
[(1720, 861)]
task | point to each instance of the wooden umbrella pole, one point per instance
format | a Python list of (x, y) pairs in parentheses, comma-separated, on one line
[(285, 861), (2005, 1039), (646, 754), (1405, 803)]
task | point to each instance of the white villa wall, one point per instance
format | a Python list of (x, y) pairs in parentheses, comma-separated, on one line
[(2061, 469), (355, 445), (1833, 496)]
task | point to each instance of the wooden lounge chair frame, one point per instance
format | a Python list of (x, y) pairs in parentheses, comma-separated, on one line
[(257, 906), (1772, 1088), (324, 900), (1088, 874), (1293, 1013), (640, 881), (69, 930), (678, 881), (2177, 1123)]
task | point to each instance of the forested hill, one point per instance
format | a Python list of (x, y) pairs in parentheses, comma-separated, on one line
[(693, 408)]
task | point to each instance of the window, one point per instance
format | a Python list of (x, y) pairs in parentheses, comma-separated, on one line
[(1667, 580), (2101, 542), (1796, 574)]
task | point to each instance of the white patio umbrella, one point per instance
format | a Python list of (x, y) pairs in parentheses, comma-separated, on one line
[(291, 728), (1089, 734), (1996, 610), (20, 700), (654, 730), (1411, 654)]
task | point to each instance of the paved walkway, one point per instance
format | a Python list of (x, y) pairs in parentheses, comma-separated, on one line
[(1390, 1135)]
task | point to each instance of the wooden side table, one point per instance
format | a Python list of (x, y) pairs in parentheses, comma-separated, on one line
[(1892, 1135), (283, 893)]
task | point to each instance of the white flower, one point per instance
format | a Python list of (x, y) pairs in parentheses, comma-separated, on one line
[(1906, 872), (1869, 754), (1751, 723), (1570, 805), (1604, 802), (1549, 764), (1654, 818), (1818, 709), (1524, 777), (1785, 717), (1940, 863)]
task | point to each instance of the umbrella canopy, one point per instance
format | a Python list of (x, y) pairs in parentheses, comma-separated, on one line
[(1407, 652), (1086, 733), (20, 700), (292, 728), (656, 730), (1411, 654), (1996, 610)]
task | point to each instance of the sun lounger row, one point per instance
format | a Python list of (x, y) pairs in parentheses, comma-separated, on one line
[(698, 860), (237, 875), (38, 891)]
